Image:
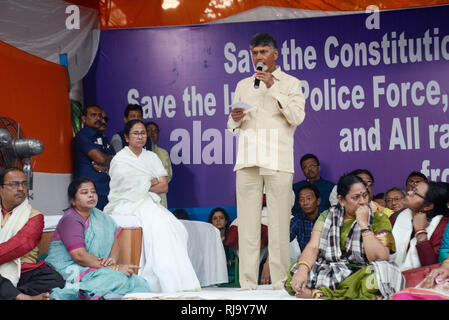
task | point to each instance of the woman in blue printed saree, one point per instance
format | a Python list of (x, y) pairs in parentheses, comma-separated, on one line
[(84, 250), (347, 255)]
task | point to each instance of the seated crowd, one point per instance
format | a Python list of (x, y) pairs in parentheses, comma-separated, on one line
[(406, 230), (346, 237), (402, 230)]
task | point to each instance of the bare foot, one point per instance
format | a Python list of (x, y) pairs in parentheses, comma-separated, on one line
[(42, 296)]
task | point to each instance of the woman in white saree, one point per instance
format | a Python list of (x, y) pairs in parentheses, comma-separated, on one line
[(137, 176)]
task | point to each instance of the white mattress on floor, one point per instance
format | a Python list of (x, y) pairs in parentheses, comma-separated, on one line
[(263, 292)]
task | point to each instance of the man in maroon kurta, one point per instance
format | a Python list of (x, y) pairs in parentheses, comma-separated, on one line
[(36, 278)]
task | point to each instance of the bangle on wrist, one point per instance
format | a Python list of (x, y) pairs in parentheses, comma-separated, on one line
[(421, 231), (300, 262)]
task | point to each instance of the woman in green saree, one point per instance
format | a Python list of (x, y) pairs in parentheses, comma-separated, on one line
[(347, 256)]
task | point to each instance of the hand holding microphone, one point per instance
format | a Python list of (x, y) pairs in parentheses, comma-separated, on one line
[(259, 66), (262, 74)]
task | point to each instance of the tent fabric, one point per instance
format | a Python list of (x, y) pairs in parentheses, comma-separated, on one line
[(34, 92), (40, 27), (44, 29), (143, 13), (275, 13)]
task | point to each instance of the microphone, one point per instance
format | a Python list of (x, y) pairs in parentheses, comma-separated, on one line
[(259, 66)]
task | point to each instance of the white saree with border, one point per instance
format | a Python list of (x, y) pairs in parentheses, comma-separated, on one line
[(165, 263)]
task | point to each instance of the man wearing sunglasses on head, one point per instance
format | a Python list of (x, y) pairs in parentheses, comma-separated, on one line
[(21, 276)]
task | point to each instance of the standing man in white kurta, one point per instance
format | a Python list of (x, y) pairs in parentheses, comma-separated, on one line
[(265, 158)]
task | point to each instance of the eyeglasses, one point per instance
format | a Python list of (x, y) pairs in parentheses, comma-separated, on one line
[(414, 182), (16, 184), (369, 184), (136, 134), (413, 192), (396, 199), (310, 166)]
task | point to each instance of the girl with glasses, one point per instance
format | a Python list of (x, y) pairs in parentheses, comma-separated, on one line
[(419, 230)]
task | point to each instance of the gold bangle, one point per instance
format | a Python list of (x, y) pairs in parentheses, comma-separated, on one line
[(447, 260), (300, 262), (114, 266)]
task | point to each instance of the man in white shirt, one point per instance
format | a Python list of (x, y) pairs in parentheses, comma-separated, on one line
[(265, 158)]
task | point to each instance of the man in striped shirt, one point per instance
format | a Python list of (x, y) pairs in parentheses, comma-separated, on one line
[(301, 225)]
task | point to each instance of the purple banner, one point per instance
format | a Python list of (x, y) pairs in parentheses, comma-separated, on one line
[(376, 88)]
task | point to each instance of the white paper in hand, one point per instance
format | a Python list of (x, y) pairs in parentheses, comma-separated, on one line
[(242, 105)]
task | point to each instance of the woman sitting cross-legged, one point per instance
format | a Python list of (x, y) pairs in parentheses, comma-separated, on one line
[(84, 250), (347, 255)]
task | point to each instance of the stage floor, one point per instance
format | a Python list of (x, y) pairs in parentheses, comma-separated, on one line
[(263, 292)]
